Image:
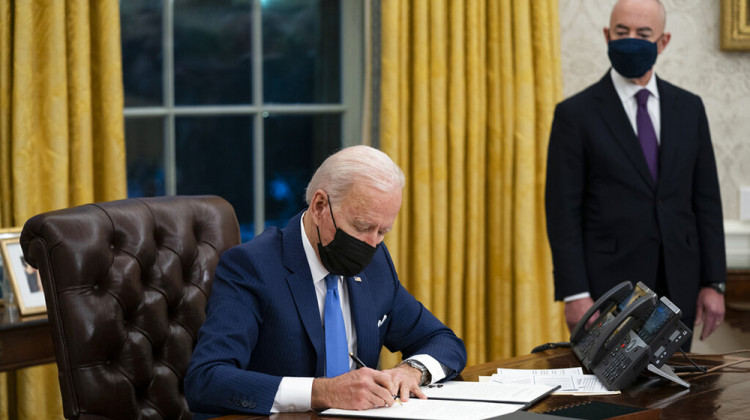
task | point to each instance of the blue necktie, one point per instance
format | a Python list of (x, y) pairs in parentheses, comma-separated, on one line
[(647, 134), (337, 352)]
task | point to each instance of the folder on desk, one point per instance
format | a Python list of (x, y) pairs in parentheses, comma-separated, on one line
[(526, 394), (600, 410)]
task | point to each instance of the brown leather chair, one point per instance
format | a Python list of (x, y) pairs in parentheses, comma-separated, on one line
[(126, 284)]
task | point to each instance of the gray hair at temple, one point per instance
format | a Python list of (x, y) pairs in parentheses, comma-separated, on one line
[(365, 164)]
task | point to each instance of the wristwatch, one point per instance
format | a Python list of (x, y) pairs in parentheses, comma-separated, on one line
[(426, 376), (720, 287)]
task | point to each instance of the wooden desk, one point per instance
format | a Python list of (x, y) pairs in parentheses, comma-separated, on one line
[(720, 395), (24, 341)]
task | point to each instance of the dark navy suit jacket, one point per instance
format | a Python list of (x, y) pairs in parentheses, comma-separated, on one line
[(263, 322), (607, 218)]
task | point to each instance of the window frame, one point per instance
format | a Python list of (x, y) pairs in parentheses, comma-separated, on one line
[(350, 107)]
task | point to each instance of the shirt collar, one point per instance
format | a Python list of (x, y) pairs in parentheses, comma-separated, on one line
[(626, 89), (317, 270)]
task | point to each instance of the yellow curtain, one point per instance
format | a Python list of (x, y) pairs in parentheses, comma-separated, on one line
[(61, 135), (468, 89)]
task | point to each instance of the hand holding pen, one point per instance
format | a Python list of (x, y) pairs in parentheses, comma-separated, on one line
[(360, 364)]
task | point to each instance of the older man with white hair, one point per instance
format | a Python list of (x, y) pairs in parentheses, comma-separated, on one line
[(297, 317)]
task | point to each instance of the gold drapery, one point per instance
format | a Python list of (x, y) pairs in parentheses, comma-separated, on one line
[(61, 134), (468, 89)]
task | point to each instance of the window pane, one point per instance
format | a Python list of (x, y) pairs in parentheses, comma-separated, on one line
[(141, 37), (301, 51), (212, 52), (312, 138), (145, 156), (214, 155)]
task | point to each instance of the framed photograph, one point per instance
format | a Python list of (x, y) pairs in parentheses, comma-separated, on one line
[(735, 25), (6, 294), (24, 279)]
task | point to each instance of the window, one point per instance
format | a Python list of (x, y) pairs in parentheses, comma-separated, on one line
[(239, 98)]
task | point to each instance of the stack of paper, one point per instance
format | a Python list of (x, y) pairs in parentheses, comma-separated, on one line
[(454, 399), (571, 381)]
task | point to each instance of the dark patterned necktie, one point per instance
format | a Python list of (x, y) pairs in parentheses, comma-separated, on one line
[(646, 134), (337, 351)]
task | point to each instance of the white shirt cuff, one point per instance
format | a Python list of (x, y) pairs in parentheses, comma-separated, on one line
[(294, 394), (432, 365), (576, 297)]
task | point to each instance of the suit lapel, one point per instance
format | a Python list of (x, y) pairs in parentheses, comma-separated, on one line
[(301, 286), (611, 111), (670, 123), (365, 320)]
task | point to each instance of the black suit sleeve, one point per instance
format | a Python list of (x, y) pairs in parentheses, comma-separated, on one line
[(707, 207), (566, 173)]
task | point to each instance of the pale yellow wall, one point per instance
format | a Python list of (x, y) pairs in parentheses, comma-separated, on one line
[(692, 60)]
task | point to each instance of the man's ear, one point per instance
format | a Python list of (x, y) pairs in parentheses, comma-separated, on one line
[(318, 205), (606, 34), (662, 43)]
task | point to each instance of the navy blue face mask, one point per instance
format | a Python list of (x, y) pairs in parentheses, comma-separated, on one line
[(345, 255), (632, 57)]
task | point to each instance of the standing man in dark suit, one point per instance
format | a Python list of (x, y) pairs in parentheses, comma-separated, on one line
[(632, 190), (277, 300)]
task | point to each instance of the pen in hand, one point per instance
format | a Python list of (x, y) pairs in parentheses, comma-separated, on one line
[(360, 364)]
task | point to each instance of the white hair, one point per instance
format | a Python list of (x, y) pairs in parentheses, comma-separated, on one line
[(364, 164)]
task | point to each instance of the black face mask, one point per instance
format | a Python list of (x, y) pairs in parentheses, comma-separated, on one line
[(345, 255), (632, 57)]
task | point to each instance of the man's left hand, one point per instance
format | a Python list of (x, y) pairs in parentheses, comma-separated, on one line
[(407, 379), (710, 311)]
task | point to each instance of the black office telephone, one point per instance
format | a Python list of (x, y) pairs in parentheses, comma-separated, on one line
[(633, 331)]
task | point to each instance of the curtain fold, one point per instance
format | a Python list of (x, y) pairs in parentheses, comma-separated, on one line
[(467, 95), (61, 135)]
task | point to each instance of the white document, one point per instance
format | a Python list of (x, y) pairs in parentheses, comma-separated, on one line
[(588, 385), (431, 410), (565, 383), (541, 372), (488, 391), (572, 381)]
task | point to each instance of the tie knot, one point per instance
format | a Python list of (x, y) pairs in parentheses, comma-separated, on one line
[(332, 281), (642, 97)]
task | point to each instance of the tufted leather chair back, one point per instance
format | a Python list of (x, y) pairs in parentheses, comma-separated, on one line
[(126, 284)]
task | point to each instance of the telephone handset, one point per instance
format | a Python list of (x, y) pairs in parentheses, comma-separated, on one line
[(618, 356), (613, 297), (614, 332), (582, 338)]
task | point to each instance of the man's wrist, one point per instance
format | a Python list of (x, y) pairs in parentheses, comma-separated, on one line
[(318, 393), (426, 376), (577, 296), (720, 287)]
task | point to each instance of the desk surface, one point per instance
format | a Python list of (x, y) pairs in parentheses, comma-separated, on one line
[(24, 341), (719, 395)]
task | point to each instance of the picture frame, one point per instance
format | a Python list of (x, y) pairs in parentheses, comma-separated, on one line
[(735, 25), (25, 280), (6, 294)]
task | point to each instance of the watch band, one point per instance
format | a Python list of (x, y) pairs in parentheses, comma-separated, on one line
[(426, 375), (720, 287)]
